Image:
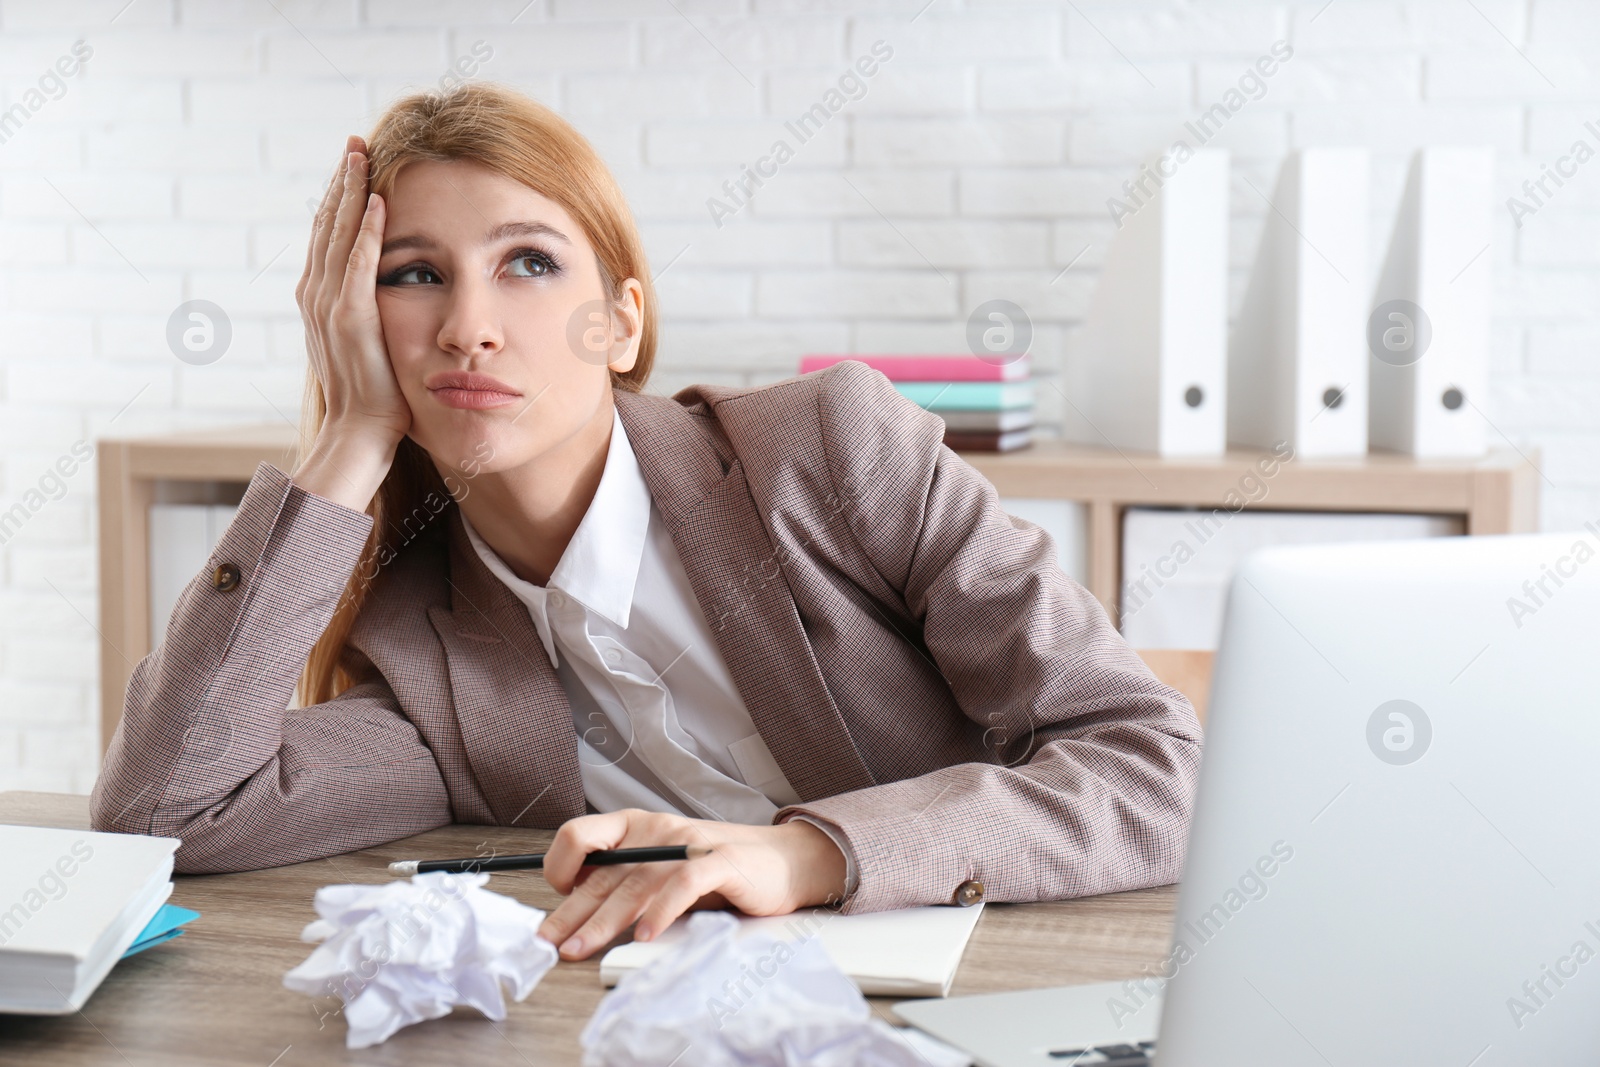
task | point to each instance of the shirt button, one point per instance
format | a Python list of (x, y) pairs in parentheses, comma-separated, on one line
[(225, 577), (613, 655), (969, 893), (557, 600)]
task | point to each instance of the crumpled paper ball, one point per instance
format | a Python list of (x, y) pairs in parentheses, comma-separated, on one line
[(406, 951), (726, 999)]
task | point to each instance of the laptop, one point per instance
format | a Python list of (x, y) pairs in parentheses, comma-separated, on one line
[(1395, 853)]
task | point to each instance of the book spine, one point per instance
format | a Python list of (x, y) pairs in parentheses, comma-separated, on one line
[(928, 368), (987, 421), (967, 396), (987, 442)]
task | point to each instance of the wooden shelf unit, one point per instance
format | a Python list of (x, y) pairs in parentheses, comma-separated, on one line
[(1493, 495), (1496, 494)]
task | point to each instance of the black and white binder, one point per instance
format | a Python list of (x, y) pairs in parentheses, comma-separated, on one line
[(1148, 371), (1428, 331), (1297, 361)]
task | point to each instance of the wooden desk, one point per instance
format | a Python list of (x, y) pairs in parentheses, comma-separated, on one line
[(215, 997)]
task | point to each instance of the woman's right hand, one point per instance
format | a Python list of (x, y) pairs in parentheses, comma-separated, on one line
[(367, 414)]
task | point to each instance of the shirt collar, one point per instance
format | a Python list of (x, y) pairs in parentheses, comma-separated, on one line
[(600, 566)]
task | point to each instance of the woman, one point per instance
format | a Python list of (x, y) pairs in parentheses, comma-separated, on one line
[(783, 622)]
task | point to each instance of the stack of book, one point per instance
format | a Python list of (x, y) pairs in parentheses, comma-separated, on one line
[(77, 902), (986, 406)]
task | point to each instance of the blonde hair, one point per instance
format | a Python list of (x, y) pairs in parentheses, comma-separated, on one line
[(529, 143)]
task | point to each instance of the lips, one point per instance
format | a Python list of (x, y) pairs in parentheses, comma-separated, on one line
[(466, 389)]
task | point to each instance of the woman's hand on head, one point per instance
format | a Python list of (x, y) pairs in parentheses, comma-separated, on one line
[(761, 870), (367, 414)]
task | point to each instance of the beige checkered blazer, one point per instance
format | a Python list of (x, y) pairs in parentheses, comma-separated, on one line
[(925, 674)]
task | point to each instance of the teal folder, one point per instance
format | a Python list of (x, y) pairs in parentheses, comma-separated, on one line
[(164, 926), (967, 396)]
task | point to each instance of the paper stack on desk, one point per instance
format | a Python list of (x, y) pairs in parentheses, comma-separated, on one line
[(913, 952), (74, 901)]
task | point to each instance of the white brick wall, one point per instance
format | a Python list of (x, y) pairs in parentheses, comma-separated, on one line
[(177, 165)]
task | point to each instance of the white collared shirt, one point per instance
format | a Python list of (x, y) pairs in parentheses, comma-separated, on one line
[(660, 723)]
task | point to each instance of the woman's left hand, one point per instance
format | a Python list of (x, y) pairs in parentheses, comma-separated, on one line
[(761, 870)]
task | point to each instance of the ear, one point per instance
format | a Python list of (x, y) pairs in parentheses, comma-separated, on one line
[(627, 326)]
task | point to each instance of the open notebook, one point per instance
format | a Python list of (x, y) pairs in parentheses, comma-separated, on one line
[(912, 953), (71, 903)]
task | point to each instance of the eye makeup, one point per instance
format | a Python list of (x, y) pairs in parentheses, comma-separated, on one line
[(546, 262), (534, 262)]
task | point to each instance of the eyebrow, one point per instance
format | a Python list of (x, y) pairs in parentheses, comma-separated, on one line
[(500, 233)]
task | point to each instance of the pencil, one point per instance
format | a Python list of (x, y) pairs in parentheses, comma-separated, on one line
[(534, 861)]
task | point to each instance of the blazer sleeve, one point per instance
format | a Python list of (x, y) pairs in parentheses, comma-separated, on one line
[(208, 750), (1094, 760)]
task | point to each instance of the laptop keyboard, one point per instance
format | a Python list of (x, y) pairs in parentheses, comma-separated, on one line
[(1107, 1055)]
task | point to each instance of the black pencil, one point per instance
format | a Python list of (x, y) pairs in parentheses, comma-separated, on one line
[(534, 861)]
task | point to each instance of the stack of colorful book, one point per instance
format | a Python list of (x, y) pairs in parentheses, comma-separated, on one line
[(986, 406)]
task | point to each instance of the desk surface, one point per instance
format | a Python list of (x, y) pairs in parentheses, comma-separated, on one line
[(215, 996)]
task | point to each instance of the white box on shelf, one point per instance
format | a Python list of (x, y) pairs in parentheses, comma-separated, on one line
[(1297, 362), (1429, 328), (1148, 371), (1177, 562)]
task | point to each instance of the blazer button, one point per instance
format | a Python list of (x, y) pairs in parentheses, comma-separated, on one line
[(969, 893), (225, 577)]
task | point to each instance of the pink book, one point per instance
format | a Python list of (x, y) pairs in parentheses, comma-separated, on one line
[(931, 368)]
